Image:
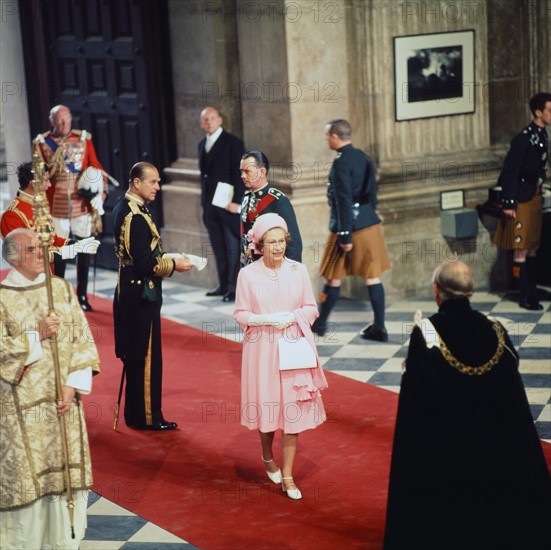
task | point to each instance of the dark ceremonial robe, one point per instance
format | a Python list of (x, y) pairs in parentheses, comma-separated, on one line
[(137, 308), (468, 471), (352, 193), (265, 201)]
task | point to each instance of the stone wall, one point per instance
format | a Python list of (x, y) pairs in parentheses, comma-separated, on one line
[(279, 74)]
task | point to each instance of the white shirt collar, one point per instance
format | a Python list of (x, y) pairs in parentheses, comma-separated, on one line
[(16, 279), (215, 135)]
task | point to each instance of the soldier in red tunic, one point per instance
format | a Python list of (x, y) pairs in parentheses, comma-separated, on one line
[(68, 153), (19, 213)]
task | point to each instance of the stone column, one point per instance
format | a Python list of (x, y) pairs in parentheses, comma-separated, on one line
[(15, 117), (204, 64)]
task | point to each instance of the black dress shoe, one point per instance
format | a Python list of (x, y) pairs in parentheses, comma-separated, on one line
[(375, 333), (216, 292), (84, 304), (318, 328), (229, 297), (162, 426), (530, 303)]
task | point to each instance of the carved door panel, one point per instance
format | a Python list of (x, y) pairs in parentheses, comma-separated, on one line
[(104, 61)]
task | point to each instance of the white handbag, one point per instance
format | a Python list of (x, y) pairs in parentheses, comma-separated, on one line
[(296, 354)]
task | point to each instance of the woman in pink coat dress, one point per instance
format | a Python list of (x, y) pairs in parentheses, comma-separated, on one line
[(274, 299)]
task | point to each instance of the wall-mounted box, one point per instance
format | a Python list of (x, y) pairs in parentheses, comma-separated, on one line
[(459, 223)]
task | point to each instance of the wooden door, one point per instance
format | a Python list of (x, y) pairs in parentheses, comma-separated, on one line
[(107, 60)]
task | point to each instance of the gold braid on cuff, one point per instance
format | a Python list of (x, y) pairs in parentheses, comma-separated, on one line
[(164, 267)]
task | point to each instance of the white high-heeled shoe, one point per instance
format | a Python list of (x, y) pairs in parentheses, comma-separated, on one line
[(274, 476), (295, 493)]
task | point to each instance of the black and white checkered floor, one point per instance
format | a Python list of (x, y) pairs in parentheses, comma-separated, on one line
[(342, 351)]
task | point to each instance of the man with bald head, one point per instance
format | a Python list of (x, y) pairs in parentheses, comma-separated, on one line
[(68, 153), (467, 467), (219, 156), (33, 504)]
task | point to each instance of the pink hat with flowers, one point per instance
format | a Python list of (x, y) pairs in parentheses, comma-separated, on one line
[(264, 223)]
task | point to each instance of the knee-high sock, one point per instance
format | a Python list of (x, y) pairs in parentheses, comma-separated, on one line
[(82, 261), (531, 267), (513, 279), (331, 298), (377, 299), (524, 280)]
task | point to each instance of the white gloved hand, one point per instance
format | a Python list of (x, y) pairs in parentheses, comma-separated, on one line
[(89, 245), (97, 204), (85, 246), (68, 252), (280, 319)]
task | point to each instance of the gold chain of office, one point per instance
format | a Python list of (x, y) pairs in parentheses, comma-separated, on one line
[(482, 369)]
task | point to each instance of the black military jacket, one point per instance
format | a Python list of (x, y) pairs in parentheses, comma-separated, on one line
[(138, 296), (525, 166), (352, 193)]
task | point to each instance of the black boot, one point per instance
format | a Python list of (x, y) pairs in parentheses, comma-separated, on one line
[(377, 330), (82, 264), (329, 297), (528, 298)]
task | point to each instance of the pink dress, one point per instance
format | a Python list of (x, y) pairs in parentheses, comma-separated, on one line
[(272, 399)]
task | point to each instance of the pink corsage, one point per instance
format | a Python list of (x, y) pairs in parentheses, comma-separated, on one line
[(252, 243)]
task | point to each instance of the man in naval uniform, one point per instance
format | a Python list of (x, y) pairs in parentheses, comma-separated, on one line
[(20, 213), (219, 156), (33, 504), (138, 299), (521, 178), (262, 198), (68, 153)]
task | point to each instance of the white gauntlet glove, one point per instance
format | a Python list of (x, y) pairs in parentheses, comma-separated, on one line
[(281, 319), (97, 204), (84, 246)]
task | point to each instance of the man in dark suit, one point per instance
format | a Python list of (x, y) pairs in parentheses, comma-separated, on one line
[(219, 156)]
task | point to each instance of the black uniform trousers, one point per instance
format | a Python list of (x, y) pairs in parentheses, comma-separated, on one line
[(142, 358)]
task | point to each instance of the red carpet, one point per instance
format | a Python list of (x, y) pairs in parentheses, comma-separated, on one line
[(206, 482)]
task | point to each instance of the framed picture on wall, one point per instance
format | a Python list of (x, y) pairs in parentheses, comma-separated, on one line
[(434, 75)]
